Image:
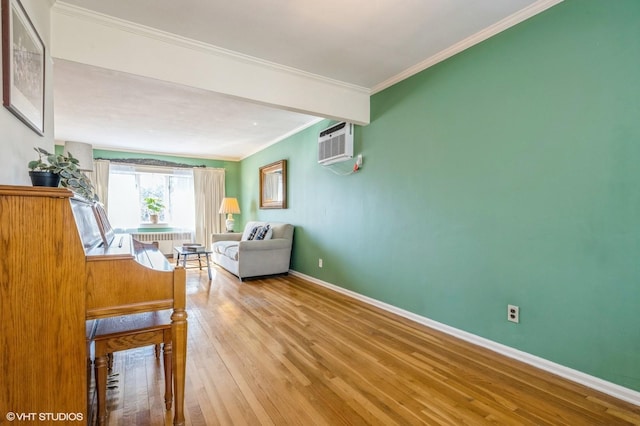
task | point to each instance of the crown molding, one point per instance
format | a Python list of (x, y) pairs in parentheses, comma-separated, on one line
[(498, 27), (283, 137), (185, 42)]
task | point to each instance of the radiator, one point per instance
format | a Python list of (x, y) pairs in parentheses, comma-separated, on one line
[(166, 240)]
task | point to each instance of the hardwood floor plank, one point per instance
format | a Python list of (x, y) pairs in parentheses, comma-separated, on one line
[(282, 351)]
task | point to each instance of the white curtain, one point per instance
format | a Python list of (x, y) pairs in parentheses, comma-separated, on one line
[(208, 186), (100, 179)]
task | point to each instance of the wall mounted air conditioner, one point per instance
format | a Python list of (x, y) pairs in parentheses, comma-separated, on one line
[(335, 143)]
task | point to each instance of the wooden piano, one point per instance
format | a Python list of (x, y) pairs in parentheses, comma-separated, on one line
[(54, 275)]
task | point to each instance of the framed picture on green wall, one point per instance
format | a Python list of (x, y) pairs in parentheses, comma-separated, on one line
[(273, 185)]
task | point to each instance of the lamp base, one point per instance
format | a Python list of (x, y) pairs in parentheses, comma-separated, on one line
[(229, 224)]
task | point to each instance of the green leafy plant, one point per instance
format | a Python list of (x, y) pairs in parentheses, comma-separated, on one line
[(66, 166), (153, 204)]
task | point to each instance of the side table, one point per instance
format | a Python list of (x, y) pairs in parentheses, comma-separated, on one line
[(181, 252)]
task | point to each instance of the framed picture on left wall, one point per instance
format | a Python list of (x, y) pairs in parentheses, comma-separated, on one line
[(22, 66)]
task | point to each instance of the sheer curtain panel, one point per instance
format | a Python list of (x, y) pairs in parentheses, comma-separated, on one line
[(100, 179), (208, 186)]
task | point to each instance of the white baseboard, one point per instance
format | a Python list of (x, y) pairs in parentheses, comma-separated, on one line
[(617, 391)]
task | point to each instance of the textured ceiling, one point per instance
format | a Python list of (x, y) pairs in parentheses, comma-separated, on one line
[(367, 44), (119, 111)]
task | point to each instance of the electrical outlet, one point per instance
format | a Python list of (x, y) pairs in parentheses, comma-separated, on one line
[(319, 263), (359, 160), (513, 313)]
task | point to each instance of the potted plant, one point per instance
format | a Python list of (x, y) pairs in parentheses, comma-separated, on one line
[(55, 170), (41, 171), (154, 206)]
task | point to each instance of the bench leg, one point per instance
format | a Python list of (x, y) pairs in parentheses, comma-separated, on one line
[(179, 358), (101, 388), (168, 373)]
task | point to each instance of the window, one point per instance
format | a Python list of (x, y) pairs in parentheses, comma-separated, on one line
[(130, 185)]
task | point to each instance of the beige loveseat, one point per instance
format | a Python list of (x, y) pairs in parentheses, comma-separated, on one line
[(244, 255)]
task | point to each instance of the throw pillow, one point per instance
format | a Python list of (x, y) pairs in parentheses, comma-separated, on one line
[(253, 232), (262, 232)]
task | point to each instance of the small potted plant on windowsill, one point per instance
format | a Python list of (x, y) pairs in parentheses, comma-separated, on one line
[(55, 170), (154, 206)]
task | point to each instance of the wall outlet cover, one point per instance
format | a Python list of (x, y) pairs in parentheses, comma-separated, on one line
[(513, 313)]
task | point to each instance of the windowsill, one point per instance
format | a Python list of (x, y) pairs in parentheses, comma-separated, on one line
[(153, 228), (154, 225)]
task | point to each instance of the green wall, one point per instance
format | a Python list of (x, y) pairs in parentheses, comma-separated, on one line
[(509, 173)]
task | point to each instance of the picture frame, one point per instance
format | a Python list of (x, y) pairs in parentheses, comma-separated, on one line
[(273, 185), (23, 66)]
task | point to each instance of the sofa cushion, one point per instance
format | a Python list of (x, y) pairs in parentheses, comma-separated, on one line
[(227, 248), (232, 252)]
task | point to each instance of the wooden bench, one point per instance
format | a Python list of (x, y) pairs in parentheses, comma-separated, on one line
[(119, 333)]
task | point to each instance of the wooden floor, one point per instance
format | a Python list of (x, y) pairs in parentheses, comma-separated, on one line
[(283, 351)]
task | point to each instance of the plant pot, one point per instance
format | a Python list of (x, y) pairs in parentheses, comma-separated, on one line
[(40, 178), (153, 218)]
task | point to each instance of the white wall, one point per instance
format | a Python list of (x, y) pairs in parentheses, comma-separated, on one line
[(16, 139)]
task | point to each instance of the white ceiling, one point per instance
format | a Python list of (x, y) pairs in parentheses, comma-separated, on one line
[(120, 111), (371, 44)]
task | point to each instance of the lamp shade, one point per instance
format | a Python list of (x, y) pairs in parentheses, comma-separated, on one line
[(83, 152), (229, 205)]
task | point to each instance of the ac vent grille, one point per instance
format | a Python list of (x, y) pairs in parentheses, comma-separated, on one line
[(335, 143)]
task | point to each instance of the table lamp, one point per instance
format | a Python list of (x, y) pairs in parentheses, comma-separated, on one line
[(229, 206)]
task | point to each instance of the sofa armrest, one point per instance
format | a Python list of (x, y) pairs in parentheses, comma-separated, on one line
[(229, 236), (255, 245)]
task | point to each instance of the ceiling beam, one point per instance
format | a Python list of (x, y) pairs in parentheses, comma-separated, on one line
[(91, 38)]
